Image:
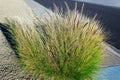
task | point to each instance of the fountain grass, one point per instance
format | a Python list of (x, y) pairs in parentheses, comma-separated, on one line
[(67, 46)]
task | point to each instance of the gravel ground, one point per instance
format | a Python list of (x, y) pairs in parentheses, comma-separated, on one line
[(9, 67), (15, 9)]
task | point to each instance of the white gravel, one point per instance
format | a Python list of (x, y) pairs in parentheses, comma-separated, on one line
[(9, 67)]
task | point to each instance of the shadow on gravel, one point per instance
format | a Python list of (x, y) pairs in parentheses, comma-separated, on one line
[(109, 16), (6, 31)]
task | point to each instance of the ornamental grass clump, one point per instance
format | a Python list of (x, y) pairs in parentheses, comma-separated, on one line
[(67, 46)]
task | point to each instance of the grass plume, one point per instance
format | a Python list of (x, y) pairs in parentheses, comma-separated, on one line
[(67, 46)]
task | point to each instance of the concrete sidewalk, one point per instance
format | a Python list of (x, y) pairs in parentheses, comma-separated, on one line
[(111, 56)]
